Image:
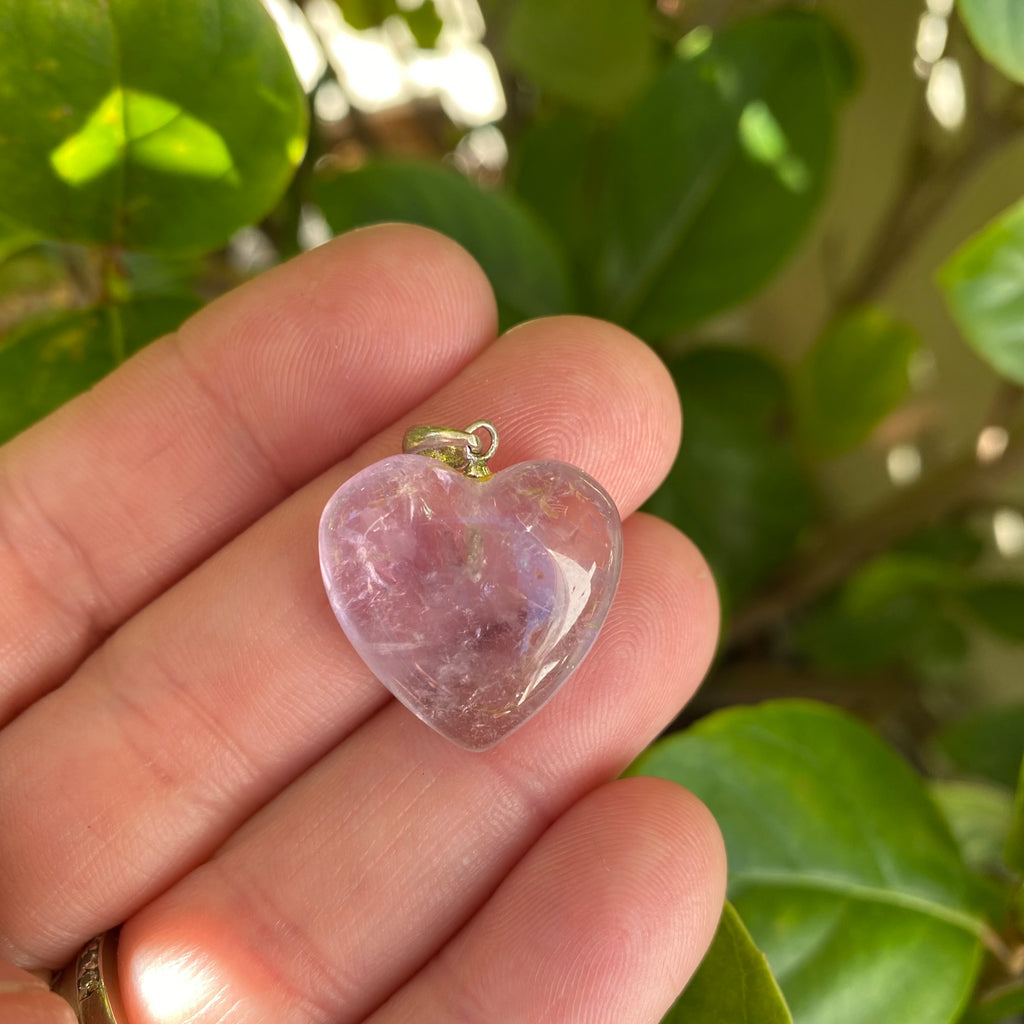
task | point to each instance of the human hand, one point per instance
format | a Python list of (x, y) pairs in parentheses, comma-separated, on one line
[(190, 744)]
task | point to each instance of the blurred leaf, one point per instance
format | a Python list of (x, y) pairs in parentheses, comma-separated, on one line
[(13, 239), (553, 170), (744, 380), (984, 286), (424, 23), (979, 816), (855, 374), (1001, 1007), (733, 984), (525, 266), (839, 863), (596, 54), (46, 361), (1015, 839), (996, 28), (989, 743), (152, 124), (364, 14), (31, 267), (718, 170), (889, 610), (736, 488), (956, 543), (999, 606)]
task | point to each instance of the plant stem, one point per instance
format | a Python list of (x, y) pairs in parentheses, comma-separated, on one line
[(924, 191), (836, 554)]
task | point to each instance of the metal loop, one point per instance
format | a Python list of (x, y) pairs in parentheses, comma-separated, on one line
[(476, 445)]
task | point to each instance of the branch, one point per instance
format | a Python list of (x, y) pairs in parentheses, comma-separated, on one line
[(839, 552), (923, 193)]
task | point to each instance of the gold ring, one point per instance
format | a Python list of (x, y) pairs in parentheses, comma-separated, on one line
[(89, 983)]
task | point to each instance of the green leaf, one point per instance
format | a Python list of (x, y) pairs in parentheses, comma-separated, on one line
[(955, 543), (1003, 1006), (893, 609), (364, 14), (1015, 839), (979, 816), (46, 361), (555, 169), (596, 54), (524, 264), (733, 983), (984, 286), (737, 488), (13, 239), (151, 124), (856, 373), (988, 743), (424, 23), (717, 171), (999, 606), (997, 29), (839, 863)]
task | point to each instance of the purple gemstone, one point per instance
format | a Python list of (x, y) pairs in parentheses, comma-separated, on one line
[(471, 600)]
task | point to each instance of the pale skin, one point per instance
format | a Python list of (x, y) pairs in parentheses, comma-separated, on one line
[(189, 744)]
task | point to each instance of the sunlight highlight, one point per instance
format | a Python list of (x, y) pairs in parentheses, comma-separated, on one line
[(174, 991), (1008, 529), (152, 131), (903, 464), (763, 139)]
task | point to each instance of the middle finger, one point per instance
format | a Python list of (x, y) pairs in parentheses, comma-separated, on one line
[(208, 702)]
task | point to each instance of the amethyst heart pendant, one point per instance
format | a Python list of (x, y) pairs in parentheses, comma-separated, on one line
[(472, 597)]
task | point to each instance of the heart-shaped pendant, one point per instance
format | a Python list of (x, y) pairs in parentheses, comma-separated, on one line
[(472, 597)]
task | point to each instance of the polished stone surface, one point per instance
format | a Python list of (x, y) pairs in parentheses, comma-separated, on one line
[(471, 600)]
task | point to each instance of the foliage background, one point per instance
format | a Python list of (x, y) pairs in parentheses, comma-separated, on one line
[(812, 212)]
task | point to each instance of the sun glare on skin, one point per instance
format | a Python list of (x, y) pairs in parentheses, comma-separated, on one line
[(177, 990)]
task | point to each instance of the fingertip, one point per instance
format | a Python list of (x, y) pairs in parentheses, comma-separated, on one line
[(612, 376), (682, 587)]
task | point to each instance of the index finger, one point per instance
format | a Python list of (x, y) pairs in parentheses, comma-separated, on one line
[(106, 503)]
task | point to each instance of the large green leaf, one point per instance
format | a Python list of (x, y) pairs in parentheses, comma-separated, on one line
[(151, 124), (855, 373), (839, 863), (48, 360), (997, 29), (594, 53), (718, 169), (988, 743), (984, 286), (737, 488), (733, 984), (526, 268)]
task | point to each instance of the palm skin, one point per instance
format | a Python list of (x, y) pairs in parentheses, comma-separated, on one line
[(190, 746)]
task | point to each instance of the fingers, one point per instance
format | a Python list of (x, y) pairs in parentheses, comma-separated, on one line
[(217, 694), (124, 489), (344, 886), (603, 921), (24, 999)]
